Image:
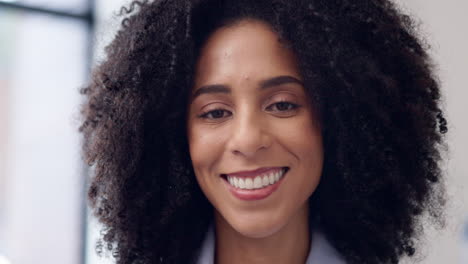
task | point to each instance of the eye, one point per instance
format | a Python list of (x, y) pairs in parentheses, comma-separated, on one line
[(283, 106), (214, 114)]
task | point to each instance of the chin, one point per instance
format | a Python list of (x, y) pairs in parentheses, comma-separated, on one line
[(254, 228)]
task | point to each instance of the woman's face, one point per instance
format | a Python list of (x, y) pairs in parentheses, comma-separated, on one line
[(249, 117)]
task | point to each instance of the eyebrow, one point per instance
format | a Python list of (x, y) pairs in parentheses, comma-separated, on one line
[(268, 83)]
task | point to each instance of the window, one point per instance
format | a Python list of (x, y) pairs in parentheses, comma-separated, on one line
[(44, 60)]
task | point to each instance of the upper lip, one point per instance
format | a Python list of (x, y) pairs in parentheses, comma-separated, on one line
[(252, 173)]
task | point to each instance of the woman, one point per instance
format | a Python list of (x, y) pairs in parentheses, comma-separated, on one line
[(264, 132)]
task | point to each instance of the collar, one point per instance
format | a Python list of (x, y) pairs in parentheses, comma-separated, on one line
[(320, 251)]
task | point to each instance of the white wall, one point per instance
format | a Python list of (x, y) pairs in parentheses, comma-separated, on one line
[(40, 217)]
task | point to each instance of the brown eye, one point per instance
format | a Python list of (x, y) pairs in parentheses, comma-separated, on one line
[(214, 114), (283, 106)]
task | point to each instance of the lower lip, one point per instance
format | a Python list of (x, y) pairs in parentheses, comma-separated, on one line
[(254, 194)]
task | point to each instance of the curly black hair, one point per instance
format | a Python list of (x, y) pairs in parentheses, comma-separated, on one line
[(365, 68)]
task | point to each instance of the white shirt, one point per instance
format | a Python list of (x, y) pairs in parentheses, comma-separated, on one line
[(321, 252)]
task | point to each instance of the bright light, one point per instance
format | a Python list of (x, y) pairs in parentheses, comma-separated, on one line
[(4, 260), (6, 1)]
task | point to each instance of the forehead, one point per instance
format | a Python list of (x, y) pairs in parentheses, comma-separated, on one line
[(249, 49)]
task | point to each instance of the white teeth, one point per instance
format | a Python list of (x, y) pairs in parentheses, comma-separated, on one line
[(271, 178), (249, 183), (265, 181), (257, 182), (241, 183)]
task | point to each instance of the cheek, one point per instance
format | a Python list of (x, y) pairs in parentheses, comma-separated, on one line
[(204, 149), (311, 148), (303, 140), (302, 137), (311, 155)]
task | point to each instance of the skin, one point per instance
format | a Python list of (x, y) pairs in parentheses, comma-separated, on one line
[(247, 129)]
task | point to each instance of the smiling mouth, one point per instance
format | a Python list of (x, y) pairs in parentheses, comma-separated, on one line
[(258, 181)]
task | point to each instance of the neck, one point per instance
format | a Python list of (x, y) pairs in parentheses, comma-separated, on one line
[(290, 244)]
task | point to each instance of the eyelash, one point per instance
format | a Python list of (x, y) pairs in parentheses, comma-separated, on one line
[(293, 107)]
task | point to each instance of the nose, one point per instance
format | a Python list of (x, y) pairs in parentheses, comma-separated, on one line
[(249, 135)]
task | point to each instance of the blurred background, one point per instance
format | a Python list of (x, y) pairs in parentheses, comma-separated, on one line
[(47, 48)]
